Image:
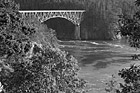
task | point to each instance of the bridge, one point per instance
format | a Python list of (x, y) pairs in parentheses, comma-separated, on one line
[(74, 16)]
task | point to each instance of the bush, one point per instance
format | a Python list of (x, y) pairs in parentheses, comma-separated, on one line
[(131, 78), (43, 34), (43, 71), (27, 63), (129, 27)]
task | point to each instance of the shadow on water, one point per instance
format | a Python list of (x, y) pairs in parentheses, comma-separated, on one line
[(99, 54), (100, 64), (103, 60)]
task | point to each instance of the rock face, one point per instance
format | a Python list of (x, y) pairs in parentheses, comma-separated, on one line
[(98, 22)]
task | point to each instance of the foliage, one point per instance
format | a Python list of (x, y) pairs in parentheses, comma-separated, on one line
[(52, 4), (137, 2), (28, 65), (42, 71), (43, 35), (129, 26), (131, 78), (101, 17)]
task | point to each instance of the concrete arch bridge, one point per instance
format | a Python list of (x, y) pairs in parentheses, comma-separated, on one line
[(74, 16)]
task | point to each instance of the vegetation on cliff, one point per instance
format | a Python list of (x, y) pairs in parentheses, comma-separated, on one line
[(29, 60)]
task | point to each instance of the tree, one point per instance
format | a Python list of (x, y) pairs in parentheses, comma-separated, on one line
[(52, 4), (129, 26), (28, 66)]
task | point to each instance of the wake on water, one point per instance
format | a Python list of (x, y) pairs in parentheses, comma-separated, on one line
[(84, 44)]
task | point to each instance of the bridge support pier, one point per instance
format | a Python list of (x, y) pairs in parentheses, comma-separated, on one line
[(77, 32)]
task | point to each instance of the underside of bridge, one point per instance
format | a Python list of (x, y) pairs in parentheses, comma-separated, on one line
[(65, 30)]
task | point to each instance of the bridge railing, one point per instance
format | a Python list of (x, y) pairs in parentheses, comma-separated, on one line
[(26, 11)]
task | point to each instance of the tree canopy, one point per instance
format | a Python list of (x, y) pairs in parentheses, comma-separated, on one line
[(51, 4), (129, 26)]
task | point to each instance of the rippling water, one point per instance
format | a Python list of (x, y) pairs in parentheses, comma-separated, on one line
[(88, 52), (99, 59)]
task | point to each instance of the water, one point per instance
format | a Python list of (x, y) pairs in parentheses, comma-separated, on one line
[(99, 59)]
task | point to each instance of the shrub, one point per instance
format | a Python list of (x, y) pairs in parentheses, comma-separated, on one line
[(43, 71), (131, 78), (129, 27), (43, 34), (27, 63)]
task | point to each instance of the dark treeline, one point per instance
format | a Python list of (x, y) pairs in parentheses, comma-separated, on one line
[(99, 20), (51, 4)]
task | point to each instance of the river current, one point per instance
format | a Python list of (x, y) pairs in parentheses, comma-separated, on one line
[(99, 59)]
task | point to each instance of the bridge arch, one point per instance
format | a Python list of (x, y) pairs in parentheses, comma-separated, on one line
[(71, 20), (65, 29)]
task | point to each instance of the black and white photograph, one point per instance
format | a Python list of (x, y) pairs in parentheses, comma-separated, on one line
[(69, 46)]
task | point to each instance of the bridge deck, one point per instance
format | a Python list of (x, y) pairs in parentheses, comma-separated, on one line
[(26, 11)]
